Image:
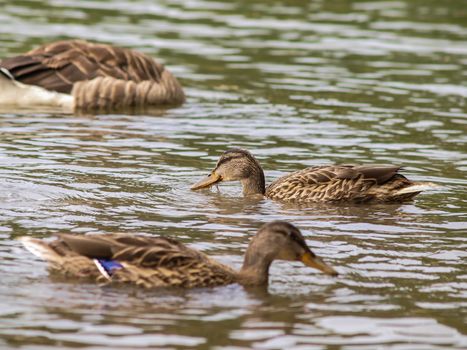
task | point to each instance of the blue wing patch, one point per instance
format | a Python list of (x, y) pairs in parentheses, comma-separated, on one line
[(107, 267)]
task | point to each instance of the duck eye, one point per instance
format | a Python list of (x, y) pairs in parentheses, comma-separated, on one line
[(284, 233)]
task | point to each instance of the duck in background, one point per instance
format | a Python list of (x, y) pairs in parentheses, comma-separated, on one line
[(79, 75)]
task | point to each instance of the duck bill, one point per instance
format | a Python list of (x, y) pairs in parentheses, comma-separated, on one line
[(312, 260), (208, 181)]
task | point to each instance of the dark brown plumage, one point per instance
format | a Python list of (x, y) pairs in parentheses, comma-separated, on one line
[(324, 183), (97, 75)]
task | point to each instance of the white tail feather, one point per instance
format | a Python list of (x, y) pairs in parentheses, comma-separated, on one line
[(14, 93), (7, 73), (418, 187), (39, 249), (101, 269)]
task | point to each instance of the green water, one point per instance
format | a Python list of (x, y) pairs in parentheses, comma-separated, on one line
[(297, 83)]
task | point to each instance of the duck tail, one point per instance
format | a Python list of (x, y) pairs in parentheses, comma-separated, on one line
[(40, 249)]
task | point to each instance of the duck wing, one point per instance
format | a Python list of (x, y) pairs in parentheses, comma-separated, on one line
[(144, 251), (380, 173), (58, 66), (146, 261), (332, 183)]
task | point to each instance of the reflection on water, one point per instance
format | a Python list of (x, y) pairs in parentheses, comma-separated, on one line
[(297, 83)]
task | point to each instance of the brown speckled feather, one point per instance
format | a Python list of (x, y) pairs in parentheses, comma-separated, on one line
[(357, 183), (147, 261), (65, 66), (57, 66)]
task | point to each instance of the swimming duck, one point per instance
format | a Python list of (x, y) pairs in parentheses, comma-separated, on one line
[(154, 262), (322, 183), (76, 74)]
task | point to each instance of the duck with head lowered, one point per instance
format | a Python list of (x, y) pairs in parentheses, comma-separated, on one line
[(155, 262), (81, 75), (322, 183)]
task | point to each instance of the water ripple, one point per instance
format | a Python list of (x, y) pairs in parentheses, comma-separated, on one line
[(298, 84)]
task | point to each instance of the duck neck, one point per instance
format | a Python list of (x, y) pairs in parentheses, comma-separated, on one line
[(255, 183), (255, 269)]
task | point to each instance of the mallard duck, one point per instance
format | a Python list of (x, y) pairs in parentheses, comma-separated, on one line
[(154, 262), (322, 183), (83, 75)]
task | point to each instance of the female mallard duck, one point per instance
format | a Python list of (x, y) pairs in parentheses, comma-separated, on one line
[(322, 183), (162, 262), (82, 75)]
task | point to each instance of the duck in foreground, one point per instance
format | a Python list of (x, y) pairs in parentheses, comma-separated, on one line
[(76, 74), (322, 183), (154, 262)]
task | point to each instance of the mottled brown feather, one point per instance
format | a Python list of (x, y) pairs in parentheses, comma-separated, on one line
[(148, 261), (60, 66), (357, 183)]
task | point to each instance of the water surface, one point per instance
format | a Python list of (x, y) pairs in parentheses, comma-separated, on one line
[(296, 83)]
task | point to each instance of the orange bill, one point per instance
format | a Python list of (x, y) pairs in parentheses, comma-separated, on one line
[(208, 181), (313, 261)]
